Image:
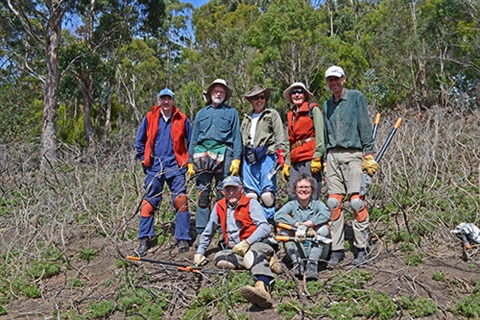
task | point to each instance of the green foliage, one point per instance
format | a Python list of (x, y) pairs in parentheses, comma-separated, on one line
[(470, 306), (43, 269), (413, 259), (418, 307), (289, 309), (438, 276), (3, 311), (101, 309), (88, 254), (76, 282), (379, 306)]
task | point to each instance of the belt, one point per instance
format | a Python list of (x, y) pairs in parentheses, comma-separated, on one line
[(300, 142)]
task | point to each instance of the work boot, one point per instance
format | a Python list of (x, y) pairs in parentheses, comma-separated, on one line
[(335, 258), (361, 257), (312, 270), (275, 265), (143, 247), (258, 295), (183, 246), (298, 269)]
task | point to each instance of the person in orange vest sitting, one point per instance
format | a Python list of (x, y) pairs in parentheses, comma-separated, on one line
[(245, 230), (162, 146)]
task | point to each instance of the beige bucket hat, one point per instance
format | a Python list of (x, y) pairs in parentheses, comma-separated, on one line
[(299, 85), (222, 82)]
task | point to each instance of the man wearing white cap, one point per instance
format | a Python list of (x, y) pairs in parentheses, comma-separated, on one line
[(349, 145), (161, 144), (305, 136), (215, 148), (244, 230)]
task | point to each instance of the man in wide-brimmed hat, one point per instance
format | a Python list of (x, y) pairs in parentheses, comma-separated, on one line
[(305, 136), (349, 145), (215, 148), (263, 146)]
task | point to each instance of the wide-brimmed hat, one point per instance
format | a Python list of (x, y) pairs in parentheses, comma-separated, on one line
[(286, 93), (334, 71), (228, 93), (256, 90), (232, 181)]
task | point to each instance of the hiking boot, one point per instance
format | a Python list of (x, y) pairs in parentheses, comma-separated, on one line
[(258, 295), (143, 247), (335, 258), (183, 246), (361, 258), (298, 269), (312, 270), (275, 265)]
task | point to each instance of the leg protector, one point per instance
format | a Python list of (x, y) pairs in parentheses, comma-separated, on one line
[(268, 199), (204, 198), (359, 210), (334, 203), (228, 261), (147, 209), (181, 203), (252, 195), (252, 258)]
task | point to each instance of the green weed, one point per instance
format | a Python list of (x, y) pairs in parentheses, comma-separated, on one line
[(418, 307), (289, 309), (413, 259), (438, 276), (379, 306), (101, 309), (88, 254)]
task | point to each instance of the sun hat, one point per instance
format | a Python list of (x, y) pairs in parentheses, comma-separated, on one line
[(286, 93), (256, 90), (228, 93)]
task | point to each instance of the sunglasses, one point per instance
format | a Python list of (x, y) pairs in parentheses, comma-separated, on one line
[(259, 98), (295, 91)]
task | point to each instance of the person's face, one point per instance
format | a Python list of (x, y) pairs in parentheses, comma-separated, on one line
[(258, 102), (166, 103), (335, 84), (303, 190), (233, 194), (218, 94), (298, 96)]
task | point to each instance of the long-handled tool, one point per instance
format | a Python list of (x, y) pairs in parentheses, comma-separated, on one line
[(286, 226), (376, 121), (274, 171), (366, 179), (180, 266)]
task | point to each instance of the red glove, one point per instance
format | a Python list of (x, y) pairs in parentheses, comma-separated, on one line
[(280, 157)]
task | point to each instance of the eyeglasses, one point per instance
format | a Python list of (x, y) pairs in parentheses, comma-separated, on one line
[(303, 187), (259, 98), (295, 91), (218, 92)]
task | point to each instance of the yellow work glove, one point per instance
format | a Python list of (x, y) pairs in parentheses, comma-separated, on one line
[(369, 164), (286, 173), (199, 260), (190, 170), (316, 166), (241, 248), (235, 167)]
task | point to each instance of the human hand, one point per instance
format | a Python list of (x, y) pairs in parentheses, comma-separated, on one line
[(301, 233), (286, 173), (241, 248), (199, 259), (311, 233), (369, 164), (235, 167), (190, 170), (316, 166)]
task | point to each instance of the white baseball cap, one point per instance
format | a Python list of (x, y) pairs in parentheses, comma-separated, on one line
[(334, 71)]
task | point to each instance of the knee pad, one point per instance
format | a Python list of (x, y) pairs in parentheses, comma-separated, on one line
[(334, 203), (228, 261), (268, 199), (252, 258), (181, 203), (146, 209), (324, 230), (252, 195), (359, 210), (204, 199)]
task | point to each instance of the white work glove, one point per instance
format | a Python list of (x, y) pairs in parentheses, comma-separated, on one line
[(301, 233), (241, 248), (199, 259), (311, 233)]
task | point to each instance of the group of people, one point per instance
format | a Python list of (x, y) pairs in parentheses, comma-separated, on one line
[(335, 140)]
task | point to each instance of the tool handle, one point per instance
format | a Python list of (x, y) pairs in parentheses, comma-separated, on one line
[(286, 226)]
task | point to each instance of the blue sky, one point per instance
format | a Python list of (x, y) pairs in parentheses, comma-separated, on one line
[(196, 3)]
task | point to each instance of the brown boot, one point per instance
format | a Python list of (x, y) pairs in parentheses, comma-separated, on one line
[(275, 265), (258, 295)]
